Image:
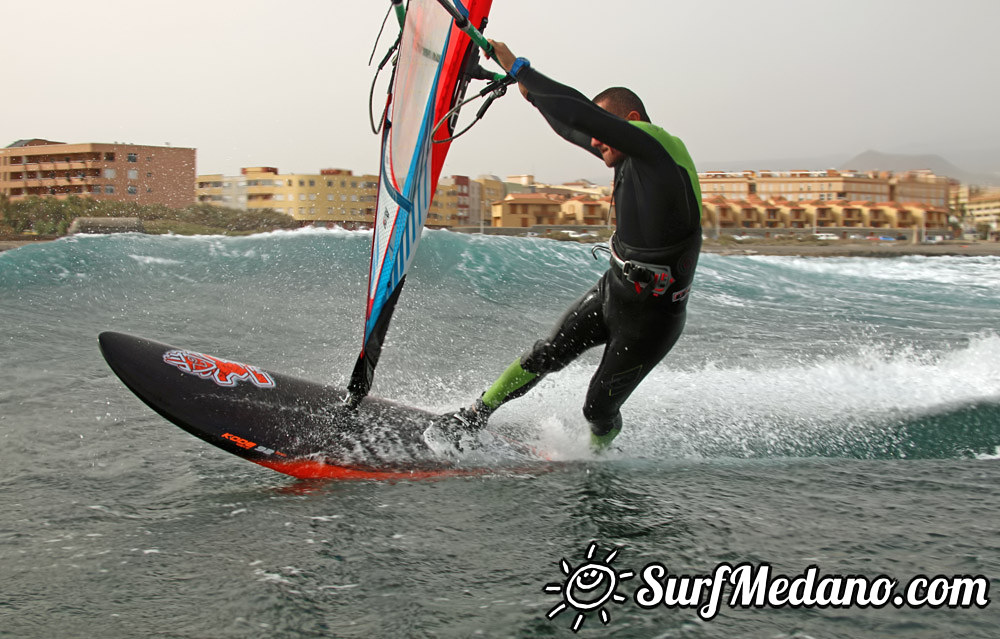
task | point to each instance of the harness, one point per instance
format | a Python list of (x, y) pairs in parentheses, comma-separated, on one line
[(655, 279), (642, 274)]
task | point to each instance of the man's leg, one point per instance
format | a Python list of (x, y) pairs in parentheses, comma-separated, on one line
[(639, 341), (580, 328)]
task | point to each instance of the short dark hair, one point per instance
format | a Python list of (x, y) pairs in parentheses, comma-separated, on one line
[(622, 101)]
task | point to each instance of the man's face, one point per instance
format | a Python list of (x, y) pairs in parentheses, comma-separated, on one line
[(612, 157)]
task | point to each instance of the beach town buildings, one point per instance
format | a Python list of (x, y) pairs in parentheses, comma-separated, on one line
[(329, 197), (114, 171), (982, 213), (523, 210), (338, 197), (734, 202), (915, 202), (334, 196), (826, 186)]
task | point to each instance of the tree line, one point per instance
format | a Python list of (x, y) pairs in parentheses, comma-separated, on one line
[(51, 216)]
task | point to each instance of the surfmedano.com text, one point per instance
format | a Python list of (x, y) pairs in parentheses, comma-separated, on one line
[(753, 586)]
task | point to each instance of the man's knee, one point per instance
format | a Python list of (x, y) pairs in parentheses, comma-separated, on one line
[(543, 358)]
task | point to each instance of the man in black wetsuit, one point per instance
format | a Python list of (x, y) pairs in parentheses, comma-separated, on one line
[(637, 308)]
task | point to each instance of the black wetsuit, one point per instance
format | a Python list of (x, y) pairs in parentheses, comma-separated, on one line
[(658, 207)]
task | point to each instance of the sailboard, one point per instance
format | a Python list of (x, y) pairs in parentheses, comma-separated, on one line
[(315, 430), (435, 62), (294, 426)]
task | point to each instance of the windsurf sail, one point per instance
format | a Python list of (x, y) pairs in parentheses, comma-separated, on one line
[(436, 60)]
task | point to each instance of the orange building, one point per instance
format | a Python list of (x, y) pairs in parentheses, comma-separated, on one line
[(839, 215), (585, 210), (828, 186), (118, 172), (521, 210)]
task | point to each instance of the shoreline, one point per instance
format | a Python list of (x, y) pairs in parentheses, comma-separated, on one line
[(791, 248), (849, 248)]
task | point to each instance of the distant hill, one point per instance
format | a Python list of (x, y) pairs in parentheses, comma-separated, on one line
[(820, 163), (877, 161)]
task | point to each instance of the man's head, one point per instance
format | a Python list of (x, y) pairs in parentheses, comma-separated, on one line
[(622, 102), (625, 104)]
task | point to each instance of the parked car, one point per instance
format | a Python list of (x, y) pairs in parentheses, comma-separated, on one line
[(826, 236)]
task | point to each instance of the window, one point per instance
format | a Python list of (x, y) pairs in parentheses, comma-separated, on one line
[(109, 189), (133, 174), (109, 157), (312, 182), (110, 174), (133, 157), (132, 190), (302, 197)]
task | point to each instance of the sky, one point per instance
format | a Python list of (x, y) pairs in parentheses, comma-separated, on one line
[(286, 84)]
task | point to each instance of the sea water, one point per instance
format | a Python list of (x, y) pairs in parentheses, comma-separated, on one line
[(839, 415)]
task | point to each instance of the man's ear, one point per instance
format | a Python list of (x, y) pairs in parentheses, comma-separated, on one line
[(633, 116)]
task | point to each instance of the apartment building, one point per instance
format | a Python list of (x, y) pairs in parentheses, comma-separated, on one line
[(586, 210), (334, 196), (732, 185), (825, 186), (337, 196), (921, 187), (982, 210), (451, 203), (484, 190), (521, 210), (118, 172), (756, 213)]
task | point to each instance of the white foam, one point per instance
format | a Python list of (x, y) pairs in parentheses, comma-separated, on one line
[(149, 259)]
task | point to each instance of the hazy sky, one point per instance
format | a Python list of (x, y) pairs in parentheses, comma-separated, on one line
[(286, 84)]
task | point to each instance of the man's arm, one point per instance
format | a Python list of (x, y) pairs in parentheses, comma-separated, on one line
[(571, 101), (573, 116), (567, 109)]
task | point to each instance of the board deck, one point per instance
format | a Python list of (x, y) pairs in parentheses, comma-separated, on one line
[(290, 425)]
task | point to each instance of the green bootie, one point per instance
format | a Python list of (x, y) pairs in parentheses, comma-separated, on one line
[(600, 443)]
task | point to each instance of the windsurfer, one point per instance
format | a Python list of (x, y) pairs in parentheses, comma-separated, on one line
[(637, 309)]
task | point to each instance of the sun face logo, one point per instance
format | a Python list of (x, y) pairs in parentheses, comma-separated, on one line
[(588, 587)]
